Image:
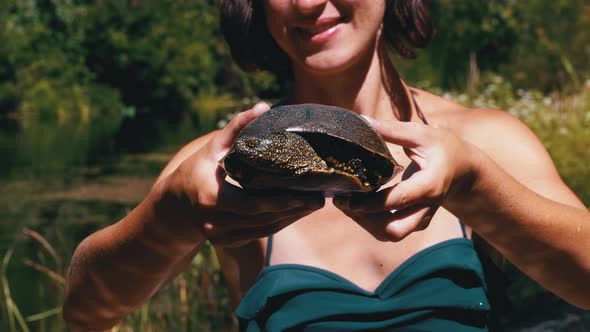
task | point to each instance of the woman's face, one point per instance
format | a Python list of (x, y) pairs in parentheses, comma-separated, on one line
[(325, 36)]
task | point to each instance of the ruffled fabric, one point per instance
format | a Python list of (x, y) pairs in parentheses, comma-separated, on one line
[(441, 288)]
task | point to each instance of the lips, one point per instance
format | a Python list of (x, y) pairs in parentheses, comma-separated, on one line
[(320, 31)]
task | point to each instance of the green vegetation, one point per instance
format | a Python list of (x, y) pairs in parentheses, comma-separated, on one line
[(83, 83), (131, 67), (535, 44), (561, 122)]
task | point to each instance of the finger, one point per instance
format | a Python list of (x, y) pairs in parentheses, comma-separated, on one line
[(228, 222), (388, 226), (418, 189), (406, 134), (406, 221), (240, 237), (236, 200), (373, 223), (224, 140)]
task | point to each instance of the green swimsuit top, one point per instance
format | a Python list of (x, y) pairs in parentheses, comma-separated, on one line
[(440, 288)]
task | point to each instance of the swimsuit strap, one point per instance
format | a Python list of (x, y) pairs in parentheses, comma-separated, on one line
[(268, 250), (418, 110), (463, 229)]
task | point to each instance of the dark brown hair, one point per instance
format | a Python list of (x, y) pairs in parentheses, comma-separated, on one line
[(406, 25)]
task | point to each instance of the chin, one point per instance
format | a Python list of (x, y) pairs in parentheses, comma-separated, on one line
[(327, 62)]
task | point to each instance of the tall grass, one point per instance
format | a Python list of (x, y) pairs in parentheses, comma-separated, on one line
[(194, 301)]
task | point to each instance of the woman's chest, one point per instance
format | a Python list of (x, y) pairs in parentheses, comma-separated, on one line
[(330, 241)]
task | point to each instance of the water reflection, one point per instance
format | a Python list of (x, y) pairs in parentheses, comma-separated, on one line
[(60, 182)]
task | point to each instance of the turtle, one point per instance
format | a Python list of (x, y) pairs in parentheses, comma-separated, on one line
[(310, 147)]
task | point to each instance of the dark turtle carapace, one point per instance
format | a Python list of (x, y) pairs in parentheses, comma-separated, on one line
[(310, 147)]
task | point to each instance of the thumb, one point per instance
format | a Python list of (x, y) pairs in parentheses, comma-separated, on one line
[(223, 141)]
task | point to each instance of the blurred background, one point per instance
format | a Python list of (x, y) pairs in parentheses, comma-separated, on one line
[(96, 96)]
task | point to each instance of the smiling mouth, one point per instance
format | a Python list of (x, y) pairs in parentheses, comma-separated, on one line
[(319, 31), (309, 33)]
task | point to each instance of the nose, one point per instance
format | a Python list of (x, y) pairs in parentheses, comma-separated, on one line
[(309, 7)]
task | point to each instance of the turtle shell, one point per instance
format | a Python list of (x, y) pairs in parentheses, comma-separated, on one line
[(310, 147)]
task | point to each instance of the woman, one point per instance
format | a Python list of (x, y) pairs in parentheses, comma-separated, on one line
[(398, 258)]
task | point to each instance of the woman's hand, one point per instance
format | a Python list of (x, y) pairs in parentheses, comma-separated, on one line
[(224, 213), (442, 169)]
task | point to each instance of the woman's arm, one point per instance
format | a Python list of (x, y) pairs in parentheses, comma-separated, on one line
[(498, 179), (520, 205), (129, 252), (116, 269)]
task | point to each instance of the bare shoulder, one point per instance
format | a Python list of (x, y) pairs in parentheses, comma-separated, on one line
[(505, 139), (498, 133)]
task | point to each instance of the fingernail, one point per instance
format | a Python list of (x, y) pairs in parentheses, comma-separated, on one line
[(261, 106)]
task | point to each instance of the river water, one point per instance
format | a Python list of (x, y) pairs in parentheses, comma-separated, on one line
[(59, 182)]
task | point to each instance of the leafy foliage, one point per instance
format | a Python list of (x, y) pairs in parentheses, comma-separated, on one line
[(538, 44)]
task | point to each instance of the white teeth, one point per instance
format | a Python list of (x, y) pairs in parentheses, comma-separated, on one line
[(316, 30)]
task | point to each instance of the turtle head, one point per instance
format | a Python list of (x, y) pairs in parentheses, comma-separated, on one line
[(263, 148), (276, 151)]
